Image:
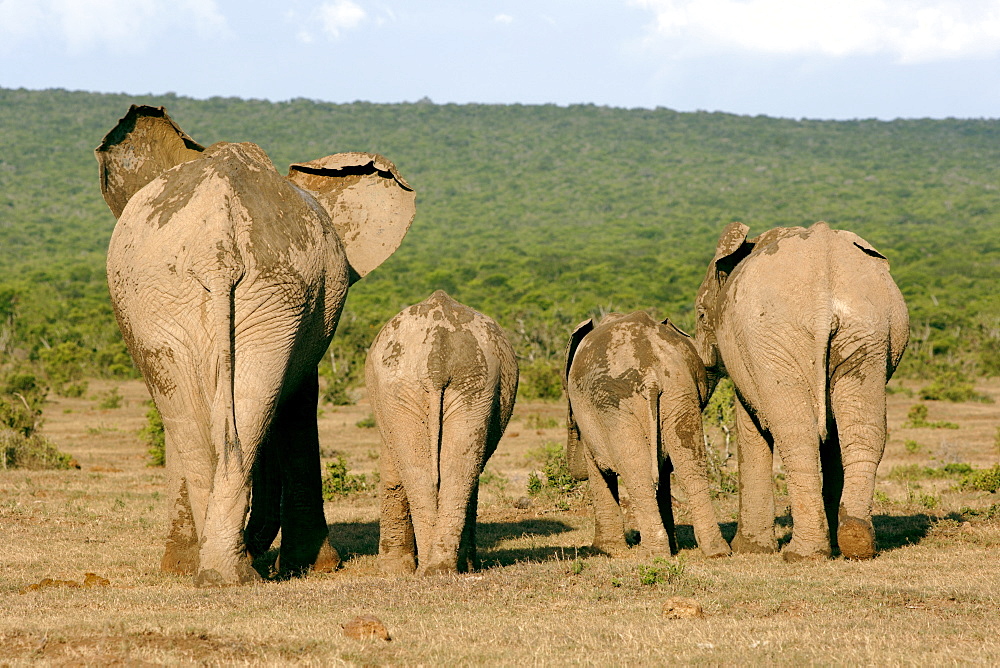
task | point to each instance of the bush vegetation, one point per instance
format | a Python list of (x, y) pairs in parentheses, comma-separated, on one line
[(21, 446), (540, 216)]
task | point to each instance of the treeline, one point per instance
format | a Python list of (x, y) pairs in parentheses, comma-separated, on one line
[(537, 215)]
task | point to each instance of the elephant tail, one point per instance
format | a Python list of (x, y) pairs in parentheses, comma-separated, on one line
[(828, 323), (655, 438), (223, 420), (435, 417)]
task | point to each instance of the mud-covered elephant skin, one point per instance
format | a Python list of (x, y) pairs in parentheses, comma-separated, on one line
[(636, 388), (441, 379), (227, 280), (810, 326)]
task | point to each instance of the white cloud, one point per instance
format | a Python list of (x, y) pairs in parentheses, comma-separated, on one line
[(339, 16), (505, 19), (121, 25), (912, 31)]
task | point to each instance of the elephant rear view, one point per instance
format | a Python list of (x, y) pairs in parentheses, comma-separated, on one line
[(228, 280), (441, 379), (636, 389), (810, 326)]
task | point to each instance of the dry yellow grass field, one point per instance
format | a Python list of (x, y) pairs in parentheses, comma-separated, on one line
[(932, 596)]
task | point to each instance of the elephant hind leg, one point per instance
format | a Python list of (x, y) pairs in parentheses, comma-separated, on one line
[(859, 410), (181, 553), (755, 530), (265, 502), (397, 547), (833, 480), (305, 538), (609, 525)]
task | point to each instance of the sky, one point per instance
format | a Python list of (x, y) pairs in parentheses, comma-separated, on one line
[(818, 59)]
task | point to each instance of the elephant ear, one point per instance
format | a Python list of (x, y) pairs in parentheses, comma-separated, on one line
[(144, 144), (370, 204), (732, 248), (576, 456), (668, 323)]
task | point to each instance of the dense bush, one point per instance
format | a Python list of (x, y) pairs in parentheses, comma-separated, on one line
[(21, 446), (540, 216)]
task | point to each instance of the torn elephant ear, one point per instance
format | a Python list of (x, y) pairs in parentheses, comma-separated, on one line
[(732, 248), (144, 144), (370, 204)]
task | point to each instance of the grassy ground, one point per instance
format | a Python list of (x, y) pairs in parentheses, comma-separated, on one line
[(931, 596)]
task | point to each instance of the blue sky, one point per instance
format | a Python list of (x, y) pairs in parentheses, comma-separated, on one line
[(789, 58)]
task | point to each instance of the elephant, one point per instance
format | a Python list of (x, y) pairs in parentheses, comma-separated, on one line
[(635, 389), (810, 326), (441, 379), (227, 281)]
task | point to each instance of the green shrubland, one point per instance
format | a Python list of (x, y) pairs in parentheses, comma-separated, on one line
[(539, 216)]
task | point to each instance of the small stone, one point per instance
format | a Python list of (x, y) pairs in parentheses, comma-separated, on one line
[(365, 627), (679, 607), (523, 503)]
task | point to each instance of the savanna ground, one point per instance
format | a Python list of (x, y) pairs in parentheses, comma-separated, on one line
[(931, 596)]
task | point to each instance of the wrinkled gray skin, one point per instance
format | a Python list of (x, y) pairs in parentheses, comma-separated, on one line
[(809, 325), (636, 389), (441, 379), (227, 280)]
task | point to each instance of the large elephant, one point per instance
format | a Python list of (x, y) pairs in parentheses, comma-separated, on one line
[(636, 388), (441, 379), (810, 326), (227, 280)]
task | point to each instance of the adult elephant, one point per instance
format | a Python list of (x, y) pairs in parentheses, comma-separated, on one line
[(636, 388), (227, 280), (441, 379), (810, 326)]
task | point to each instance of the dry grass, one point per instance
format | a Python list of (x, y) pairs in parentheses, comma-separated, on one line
[(932, 595)]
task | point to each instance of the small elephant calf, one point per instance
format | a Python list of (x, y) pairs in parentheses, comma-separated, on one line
[(636, 388), (441, 379)]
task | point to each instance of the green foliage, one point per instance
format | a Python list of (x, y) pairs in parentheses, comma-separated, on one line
[(337, 482), (152, 435), (953, 385), (661, 571), (21, 446), (540, 379), (916, 418), (991, 513), (64, 367), (909, 472), (541, 215), (367, 422), (912, 446), (536, 421), (110, 400), (719, 417), (555, 481), (984, 480), (21, 400)]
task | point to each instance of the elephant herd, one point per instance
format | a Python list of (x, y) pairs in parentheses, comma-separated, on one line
[(228, 280)]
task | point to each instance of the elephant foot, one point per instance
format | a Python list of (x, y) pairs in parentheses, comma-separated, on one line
[(794, 553), (612, 548), (397, 564), (717, 549), (180, 558), (211, 577), (856, 538), (327, 560), (440, 568), (292, 561), (745, 545)]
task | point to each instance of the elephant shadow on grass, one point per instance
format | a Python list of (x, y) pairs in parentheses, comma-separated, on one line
[(891, 531), (356, 539)]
